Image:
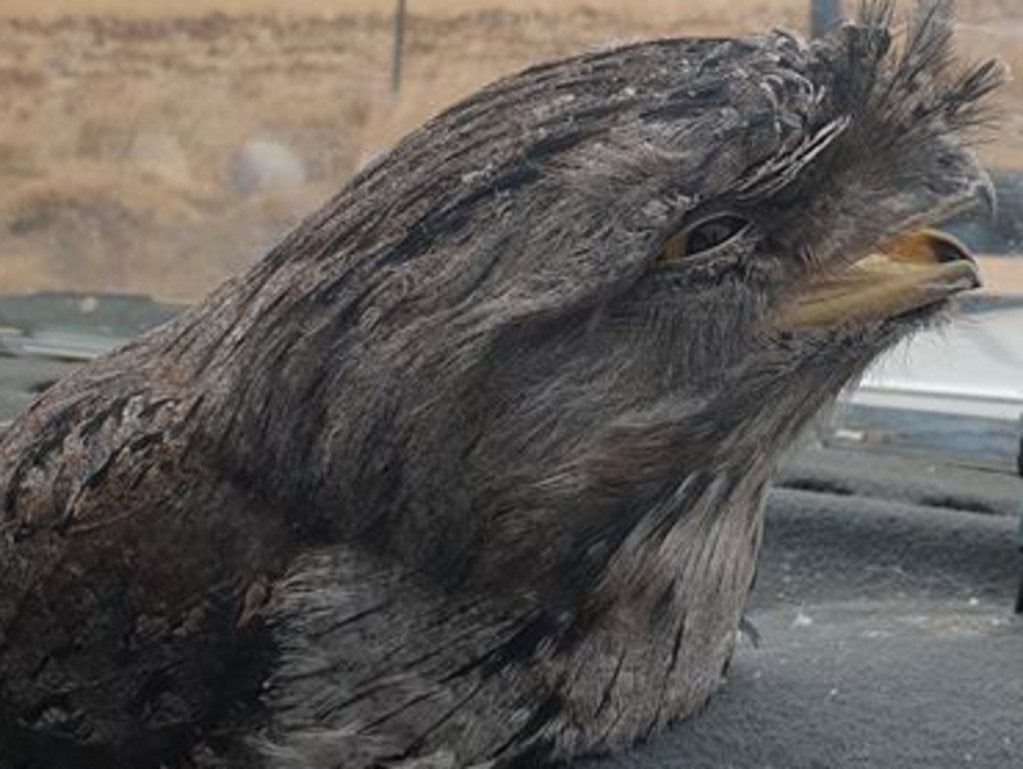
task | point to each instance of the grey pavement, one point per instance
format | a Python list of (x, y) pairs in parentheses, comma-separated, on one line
[(887, 640)]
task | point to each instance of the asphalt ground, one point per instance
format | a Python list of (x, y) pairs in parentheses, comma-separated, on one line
[(886, 631)]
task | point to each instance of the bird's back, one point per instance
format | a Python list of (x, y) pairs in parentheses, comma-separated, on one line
[(125, 567)]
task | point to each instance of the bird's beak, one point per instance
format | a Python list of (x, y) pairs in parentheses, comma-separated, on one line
[(902, 274)]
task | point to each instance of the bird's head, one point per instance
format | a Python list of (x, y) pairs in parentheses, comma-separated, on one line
[(832, 221), (601, 290)]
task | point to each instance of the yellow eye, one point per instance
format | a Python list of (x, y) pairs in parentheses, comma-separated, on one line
[(702, 236)]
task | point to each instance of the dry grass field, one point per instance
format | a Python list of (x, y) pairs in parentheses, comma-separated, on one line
[(159, 147)]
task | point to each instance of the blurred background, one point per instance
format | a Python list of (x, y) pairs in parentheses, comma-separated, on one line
[(152, 149), (160, 146)]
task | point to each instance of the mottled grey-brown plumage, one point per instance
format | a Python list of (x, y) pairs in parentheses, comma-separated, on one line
[(469, 469)]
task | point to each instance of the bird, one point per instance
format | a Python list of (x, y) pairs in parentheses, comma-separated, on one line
[(469, 470)]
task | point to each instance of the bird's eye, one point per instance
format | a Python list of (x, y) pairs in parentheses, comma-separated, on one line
[(703, 236)]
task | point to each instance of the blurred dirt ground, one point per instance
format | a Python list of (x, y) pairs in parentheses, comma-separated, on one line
[(160, 147)]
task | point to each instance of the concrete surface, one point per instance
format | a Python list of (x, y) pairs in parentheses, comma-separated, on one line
[(973, 366), (887, 641)]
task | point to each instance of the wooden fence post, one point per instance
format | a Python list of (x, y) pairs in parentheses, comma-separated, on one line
[(824, 16), (398, 53)]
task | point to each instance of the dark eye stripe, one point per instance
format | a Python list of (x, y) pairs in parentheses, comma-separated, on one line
[(713, 232), (703, 236)]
